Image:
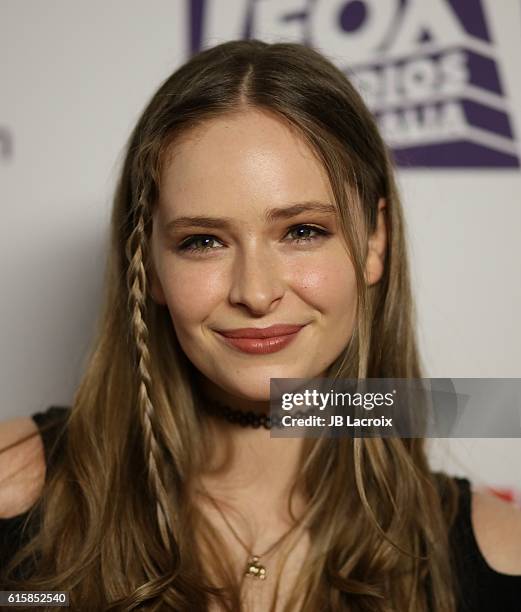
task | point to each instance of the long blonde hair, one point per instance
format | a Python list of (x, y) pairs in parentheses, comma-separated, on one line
[(378, 517)]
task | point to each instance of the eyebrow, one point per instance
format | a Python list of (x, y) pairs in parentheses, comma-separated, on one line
[(270, 215)]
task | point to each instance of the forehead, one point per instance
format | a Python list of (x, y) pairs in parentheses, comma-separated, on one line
[(242, 161)]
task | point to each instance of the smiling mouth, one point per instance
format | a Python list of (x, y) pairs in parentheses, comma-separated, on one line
[(273, 331), (267, 343)]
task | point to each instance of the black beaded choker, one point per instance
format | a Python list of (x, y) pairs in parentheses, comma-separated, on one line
[(241, 417)]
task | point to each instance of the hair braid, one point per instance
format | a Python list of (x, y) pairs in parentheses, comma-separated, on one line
[(136, 283)]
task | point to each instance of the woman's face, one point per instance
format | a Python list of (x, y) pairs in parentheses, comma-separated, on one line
[(255, 260)]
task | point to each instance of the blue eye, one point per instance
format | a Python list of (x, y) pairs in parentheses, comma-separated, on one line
[(199, 243), (307, 228), (187, 244)]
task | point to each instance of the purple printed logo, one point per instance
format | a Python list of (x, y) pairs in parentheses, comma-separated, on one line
[(427, 70)]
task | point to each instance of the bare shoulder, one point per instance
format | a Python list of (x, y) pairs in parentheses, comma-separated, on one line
[(22, 465), (497, 528)]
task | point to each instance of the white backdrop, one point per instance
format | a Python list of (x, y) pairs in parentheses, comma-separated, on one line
[(74, 78)]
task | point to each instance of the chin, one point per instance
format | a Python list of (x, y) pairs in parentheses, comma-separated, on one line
[(257, 387), (254, 392)]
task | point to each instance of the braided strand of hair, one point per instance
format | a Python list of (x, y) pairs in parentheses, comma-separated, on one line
[(136, 283)]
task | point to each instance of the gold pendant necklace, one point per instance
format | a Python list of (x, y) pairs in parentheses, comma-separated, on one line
[(254, 569)]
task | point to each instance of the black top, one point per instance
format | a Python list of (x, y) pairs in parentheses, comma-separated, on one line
[(484, 589)]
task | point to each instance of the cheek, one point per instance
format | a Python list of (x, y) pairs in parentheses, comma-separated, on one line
[(328, 285), (191, 295)]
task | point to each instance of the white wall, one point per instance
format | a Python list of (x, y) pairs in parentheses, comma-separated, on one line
[(75, 77)]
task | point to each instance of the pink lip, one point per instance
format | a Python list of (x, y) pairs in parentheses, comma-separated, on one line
[(258, 332), (250, 340)]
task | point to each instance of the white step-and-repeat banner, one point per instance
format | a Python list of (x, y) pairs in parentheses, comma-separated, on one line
[(441, 76)]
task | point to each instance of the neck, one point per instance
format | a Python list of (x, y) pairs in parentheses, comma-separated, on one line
[(249, 464)]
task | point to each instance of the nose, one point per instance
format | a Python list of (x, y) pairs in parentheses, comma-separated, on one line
[(256, 282)]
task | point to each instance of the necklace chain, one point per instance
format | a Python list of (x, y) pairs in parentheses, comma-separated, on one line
[(253, 567), (246, 419)]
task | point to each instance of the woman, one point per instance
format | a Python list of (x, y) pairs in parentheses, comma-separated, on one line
[(256, 194)]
